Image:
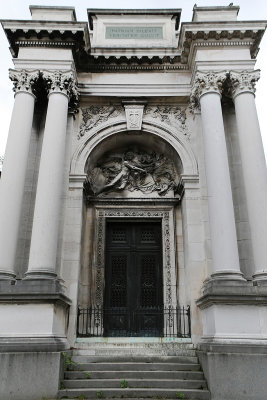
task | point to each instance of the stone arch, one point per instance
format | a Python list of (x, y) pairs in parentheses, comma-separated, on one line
[(175, 139)]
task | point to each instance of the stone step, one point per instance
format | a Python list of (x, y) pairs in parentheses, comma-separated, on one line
[(151, 348), (155, 393), (135, 358), (195, 375), (134, 383), (132, 342), (135, 366), (167, 351)]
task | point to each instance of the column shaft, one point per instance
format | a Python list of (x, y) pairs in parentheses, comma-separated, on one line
[(13, 180), (221, 211), (255, 177), (43, 252)]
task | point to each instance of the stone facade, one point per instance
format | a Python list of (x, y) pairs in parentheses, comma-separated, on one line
[(132, 118)]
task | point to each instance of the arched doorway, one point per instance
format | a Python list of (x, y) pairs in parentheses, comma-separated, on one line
[(147, 194)]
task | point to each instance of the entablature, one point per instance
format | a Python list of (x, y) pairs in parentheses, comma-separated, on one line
[(58, 34), (228, 34)]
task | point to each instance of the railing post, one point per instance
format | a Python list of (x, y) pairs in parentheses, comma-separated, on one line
[(189, 320)]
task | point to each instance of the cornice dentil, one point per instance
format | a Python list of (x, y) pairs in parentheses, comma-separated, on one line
[(23, 80), (244, 81), (62, 82), (206, 82)]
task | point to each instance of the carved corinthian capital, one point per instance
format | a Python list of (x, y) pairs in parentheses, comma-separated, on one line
[(244, 81), (62, 82), (23, 80), (206, 82)]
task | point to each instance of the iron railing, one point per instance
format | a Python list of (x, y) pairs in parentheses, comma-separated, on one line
[(144, 322)]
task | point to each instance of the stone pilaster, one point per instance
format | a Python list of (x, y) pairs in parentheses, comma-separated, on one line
[(15, 166), (62, 91), (253, 164), (207, 92)]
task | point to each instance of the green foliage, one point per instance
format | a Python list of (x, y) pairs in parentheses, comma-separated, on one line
[(124, 384), (68, 361), (62, 386), (99, 394), (179, 395), (88, 375)]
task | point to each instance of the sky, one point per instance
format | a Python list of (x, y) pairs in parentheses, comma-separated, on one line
[(19, 9)]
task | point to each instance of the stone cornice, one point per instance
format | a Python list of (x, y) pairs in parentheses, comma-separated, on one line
[(24, 80), (243, 81), (45, 34), (212, 33)]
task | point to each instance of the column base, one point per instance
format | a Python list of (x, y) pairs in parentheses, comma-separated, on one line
[(40, 275), (226, 275), (260, 278), (7, 275)]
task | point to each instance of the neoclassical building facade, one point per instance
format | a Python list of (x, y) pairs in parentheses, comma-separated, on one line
[(133, 199)]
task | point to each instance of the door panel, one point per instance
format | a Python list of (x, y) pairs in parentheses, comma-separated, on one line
[(133, 279)]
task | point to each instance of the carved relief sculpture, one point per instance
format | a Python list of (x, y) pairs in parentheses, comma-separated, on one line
[(141, 171), (171, 115), (134, 114), (94, 115)]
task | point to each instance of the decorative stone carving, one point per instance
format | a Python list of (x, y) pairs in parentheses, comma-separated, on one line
[(171, 115), (62, 82), (244, 81), (134, 114), (94, 115), (24, 80), (205, 82), (133, 171)]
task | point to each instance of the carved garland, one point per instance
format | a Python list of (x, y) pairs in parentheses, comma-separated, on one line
[(164, 215), (93, 116)]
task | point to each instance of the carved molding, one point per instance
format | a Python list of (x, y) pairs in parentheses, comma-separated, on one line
[(132, 171), (167, 247), (171, 115), (206, 82), (62, 82), (244, 81), (23, 80)]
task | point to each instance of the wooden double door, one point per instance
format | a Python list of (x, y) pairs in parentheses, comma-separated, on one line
[(133, 300)]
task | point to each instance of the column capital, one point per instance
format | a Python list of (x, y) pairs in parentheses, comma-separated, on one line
[(207, 82), (63, 82), (24, 80), (243, 81)]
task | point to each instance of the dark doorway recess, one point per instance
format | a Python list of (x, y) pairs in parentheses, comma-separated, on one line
[(133, 279)]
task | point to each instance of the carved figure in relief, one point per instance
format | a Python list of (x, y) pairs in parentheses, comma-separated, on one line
[(132, 171), (120, 181)]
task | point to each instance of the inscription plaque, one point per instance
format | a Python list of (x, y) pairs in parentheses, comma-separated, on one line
[(134, 32)]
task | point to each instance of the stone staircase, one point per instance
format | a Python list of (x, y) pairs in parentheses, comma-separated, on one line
[(135, 371)]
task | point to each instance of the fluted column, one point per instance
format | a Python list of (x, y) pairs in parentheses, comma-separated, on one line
[(14, 168), (43, 250), (253, 165), (207, 89)]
